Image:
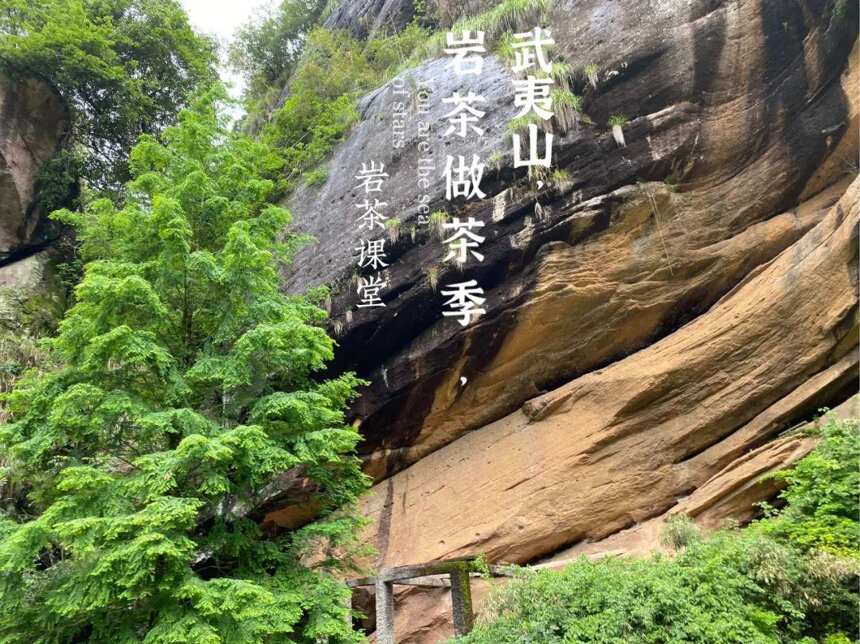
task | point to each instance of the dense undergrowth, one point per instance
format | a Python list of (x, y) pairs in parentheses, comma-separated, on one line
[(791, 576)]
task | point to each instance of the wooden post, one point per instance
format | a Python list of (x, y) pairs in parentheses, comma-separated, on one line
[(384, 612), (461, 600), (347, 604)]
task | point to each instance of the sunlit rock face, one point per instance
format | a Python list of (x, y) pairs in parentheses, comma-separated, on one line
[(653, 316), (33, 124)]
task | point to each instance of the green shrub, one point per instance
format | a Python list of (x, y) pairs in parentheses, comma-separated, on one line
[(626, 600), (791, 577), (822, 496), (679, 532)]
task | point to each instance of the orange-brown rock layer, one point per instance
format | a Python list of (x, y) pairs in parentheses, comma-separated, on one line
[(621, 444)]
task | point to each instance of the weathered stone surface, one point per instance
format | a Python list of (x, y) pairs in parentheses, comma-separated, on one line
[(621, 444), (366, 18), (656, 318), (742, 107), (731, 494), (33, 123), (423, 615)]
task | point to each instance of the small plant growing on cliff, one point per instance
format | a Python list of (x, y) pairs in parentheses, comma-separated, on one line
[(679, 532), (392, 226), (495, 159), (188, 393), (561, 72), (560, 178), (840, 9), (617, 123), (317, 177), (591, 73), (497, 22), (432, 277), (438, 219), (520, 124), (539, 176), (503, 48), (568, 108)]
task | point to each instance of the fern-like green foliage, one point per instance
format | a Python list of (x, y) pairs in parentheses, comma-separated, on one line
[(188, 394)]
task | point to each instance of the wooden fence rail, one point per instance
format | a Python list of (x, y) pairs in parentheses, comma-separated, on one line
[(453, 573)]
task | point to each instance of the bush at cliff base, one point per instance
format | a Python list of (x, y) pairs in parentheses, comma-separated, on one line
[(790, 577), (184, 385)]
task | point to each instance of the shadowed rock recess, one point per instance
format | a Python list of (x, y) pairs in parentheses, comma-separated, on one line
[(33, 128), (656, 318), (33, 123)]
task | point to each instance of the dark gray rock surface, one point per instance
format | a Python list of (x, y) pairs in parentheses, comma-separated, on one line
[(738, 112)]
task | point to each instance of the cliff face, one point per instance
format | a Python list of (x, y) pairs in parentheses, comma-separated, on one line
[(654, 320), (33, 126)]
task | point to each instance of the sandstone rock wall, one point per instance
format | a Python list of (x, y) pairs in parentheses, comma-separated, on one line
[(655, 321), (739, 110)]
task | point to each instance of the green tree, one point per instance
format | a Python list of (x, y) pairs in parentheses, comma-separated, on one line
[(186, 396), (266, 49), (124, 68)]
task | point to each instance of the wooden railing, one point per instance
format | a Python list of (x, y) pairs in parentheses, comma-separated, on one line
[(453, 573)]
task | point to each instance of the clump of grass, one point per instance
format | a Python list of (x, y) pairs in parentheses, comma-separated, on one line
[(679, 532), (437, 222), (337, 327), (560, 178), (561, 73), (503, 47), (495, 159), (520, 124), (617, 123), (432, 274), (591, 73), (539, 175), (393, 228), (567, 107), (505, 17)]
